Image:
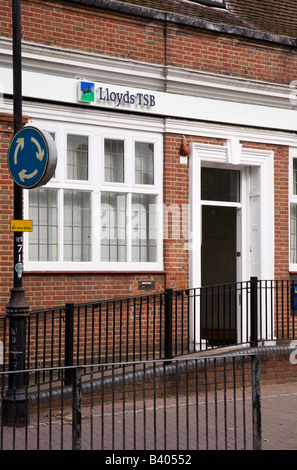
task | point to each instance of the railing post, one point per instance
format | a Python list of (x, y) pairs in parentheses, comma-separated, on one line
[(76, 408), (168, 323), (254, 311), (69, 327), (15, 404), (256, 403)]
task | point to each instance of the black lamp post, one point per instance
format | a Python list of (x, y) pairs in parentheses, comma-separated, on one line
[(15, 405)]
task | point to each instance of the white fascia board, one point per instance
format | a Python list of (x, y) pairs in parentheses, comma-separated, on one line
[(214, 86), (51, 74), (64, 90), (54, 61), (230, 112)]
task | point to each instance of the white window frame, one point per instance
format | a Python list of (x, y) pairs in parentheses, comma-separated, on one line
[(292, 200), (96, 185)]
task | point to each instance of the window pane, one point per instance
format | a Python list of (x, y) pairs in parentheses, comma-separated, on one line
[(144, 235), (113, 227), (77, 226), (144, 163), (77, 157), (220, 185), (114, 161), (43, 241)]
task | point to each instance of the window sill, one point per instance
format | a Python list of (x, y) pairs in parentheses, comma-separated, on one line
[(32, 268)]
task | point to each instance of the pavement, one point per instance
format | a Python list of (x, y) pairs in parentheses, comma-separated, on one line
[(188, 424), (279, 416)]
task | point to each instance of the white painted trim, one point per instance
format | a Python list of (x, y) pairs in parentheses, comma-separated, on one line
[(218, 154), (249, 157), (67, 114), (220, 131), (292, 199)]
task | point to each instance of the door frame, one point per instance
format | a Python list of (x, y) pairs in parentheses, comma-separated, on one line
[(233, 155)]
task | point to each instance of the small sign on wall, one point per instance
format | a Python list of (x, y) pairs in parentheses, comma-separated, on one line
[(21, 225), (146, 285)]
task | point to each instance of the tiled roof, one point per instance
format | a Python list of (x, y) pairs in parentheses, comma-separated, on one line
[(276, 17), (190, 8)]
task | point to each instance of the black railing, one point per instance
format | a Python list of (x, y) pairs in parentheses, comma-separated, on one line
[(206, 403), (157, 326)]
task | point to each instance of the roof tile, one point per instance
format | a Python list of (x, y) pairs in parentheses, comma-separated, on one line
[(272, 16)]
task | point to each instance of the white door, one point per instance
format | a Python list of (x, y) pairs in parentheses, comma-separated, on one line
[(221, 239), (219, 270), (253, 225)]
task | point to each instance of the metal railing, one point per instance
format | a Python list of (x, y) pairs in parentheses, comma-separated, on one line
[(157, 326), (210, 403)]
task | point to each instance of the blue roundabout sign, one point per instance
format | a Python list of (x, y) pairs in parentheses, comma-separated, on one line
[(32, 157)]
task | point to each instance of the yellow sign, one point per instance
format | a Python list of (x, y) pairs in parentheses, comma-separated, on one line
[(21, 225)]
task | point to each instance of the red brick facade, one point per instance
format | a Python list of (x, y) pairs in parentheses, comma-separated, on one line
[(111, 34), (6, 212)]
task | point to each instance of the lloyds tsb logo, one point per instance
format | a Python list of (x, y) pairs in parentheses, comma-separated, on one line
[(86, 91)]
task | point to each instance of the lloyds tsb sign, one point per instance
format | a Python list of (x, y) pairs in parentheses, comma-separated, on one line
[(91, 92)]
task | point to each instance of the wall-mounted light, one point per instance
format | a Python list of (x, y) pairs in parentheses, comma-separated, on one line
[(184, 149)]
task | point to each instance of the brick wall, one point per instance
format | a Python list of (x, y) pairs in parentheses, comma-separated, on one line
[(233, 56), (175, 198), (6, 204), (49, 289), (91, 30)]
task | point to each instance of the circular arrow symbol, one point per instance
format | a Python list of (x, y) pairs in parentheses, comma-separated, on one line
[(20, 145), (23, 175), (40, 153)]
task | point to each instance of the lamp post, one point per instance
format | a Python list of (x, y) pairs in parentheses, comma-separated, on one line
[(15, 405)]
